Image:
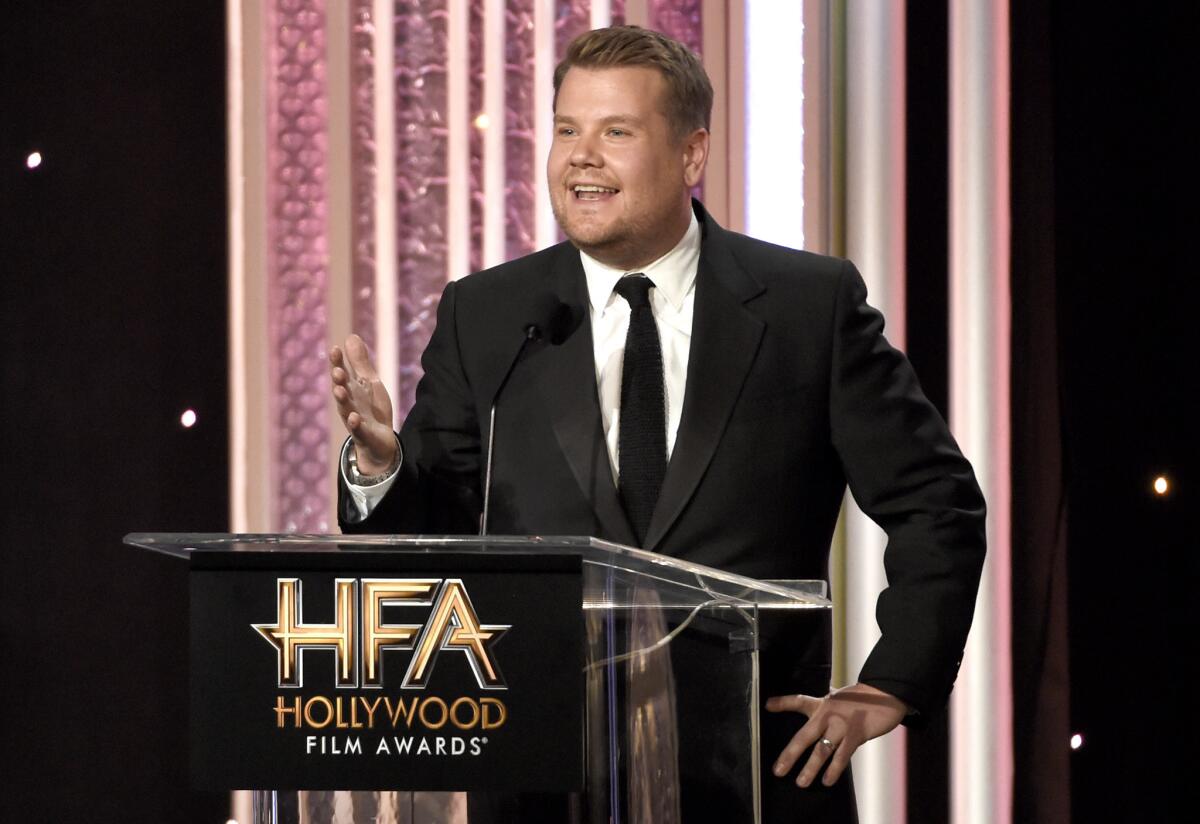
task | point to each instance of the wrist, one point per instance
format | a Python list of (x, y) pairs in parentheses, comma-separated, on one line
[(369, 473)]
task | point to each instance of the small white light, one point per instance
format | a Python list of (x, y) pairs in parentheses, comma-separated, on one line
[(34, 160), (188, 418), (1076, 741), (1161, 486), (482, 121), (232, 821)]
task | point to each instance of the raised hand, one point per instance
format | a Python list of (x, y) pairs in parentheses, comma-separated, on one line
[(364, 405), (838, 724)]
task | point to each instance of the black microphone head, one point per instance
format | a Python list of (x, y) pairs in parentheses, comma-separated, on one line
[(547, 318)]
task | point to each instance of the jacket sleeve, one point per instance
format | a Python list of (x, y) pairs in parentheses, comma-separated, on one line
[(908, 475), (437, 487)]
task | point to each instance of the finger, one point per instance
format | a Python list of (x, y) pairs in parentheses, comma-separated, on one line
[(804, 704), (358, 359), (821, 751), (367, 435), (804, 738), (840, 760), (359, 425), (825, 746), (355, 391), (335, 355), (342, 398)]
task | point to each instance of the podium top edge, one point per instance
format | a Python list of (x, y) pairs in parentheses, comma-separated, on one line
[(719, 583)]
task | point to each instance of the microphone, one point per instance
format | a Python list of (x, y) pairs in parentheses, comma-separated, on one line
[(547, 318)]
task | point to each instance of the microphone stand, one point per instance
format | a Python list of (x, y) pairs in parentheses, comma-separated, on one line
[(532, 333)]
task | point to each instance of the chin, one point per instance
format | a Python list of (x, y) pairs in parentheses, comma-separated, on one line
[(590, 237)]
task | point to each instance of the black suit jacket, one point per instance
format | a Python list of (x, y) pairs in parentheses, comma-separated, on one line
[(792, 392)]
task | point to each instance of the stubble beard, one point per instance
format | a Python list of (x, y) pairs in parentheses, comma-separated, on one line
[(612, 244), (622, 243)]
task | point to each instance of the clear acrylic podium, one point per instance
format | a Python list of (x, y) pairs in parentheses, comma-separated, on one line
[(671, 681)]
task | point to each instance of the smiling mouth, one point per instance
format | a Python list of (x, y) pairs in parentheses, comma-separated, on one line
[(584, 191)]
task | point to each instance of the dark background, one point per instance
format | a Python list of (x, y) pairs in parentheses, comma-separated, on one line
[(113, 317), (1124, 169), (113, 276)]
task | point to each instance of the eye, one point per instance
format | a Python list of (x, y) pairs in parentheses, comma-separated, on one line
[(566, 131), (618, 132)]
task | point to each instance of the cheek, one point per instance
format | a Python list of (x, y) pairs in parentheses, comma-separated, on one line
[(555, 163), (660, 173)]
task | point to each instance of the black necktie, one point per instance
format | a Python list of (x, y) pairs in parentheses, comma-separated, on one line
[(642, 439)]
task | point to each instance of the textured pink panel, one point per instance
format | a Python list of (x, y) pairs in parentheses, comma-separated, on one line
[(476, 49), (519, 160), (678, 19), (421, 146), (362, 170), (681, 20), (298, 263), (571, 19)]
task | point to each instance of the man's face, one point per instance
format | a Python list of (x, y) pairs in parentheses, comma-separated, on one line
[(618, 173)]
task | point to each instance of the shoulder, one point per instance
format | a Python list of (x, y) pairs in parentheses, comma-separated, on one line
[(510, 280), (779, 271), (496, 303), (771, 260)]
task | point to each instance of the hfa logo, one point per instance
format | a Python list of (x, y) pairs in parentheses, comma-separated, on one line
[(452, 625)]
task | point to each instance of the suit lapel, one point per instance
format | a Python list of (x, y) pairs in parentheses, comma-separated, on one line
[(725, 339), (568, 383)]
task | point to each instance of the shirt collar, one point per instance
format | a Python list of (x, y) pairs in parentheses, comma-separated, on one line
[(674, 274)]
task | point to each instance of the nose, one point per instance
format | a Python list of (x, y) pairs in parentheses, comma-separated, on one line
[(584, 152)]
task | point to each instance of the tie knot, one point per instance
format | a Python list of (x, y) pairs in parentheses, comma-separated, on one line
[(635, 289)]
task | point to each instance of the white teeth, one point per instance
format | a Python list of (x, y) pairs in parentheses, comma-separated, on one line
[(581, 188)]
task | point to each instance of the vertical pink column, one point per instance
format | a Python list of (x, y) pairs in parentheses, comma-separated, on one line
[(680, 20), (475, 105), (519, 161), (571, 19), (981, 731), (421, 142), (298, 265), (363, 169)]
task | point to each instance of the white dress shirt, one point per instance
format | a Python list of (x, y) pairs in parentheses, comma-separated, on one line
[(672, 301)]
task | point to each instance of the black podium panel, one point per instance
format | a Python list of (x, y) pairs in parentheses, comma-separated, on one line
[(368, 670)]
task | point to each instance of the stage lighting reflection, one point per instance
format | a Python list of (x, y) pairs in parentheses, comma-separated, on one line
[(1076, 741), (34, 160), (1161, 485), (188, 418)]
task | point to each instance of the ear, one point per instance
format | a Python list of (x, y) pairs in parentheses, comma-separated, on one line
[(695, 156)]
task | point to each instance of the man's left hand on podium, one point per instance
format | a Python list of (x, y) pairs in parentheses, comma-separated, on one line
[(838, 724)]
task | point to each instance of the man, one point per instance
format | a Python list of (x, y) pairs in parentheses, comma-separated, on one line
[(776, 388)]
